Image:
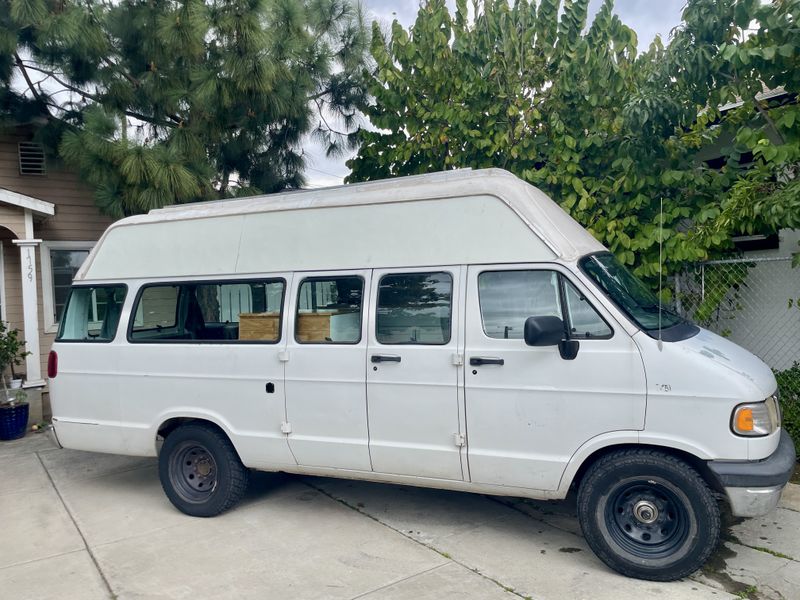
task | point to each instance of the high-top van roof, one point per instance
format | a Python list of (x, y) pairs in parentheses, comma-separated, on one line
[(453, 217)]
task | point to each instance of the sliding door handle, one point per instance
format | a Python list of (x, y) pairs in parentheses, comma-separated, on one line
[(378, 358), (477, 361)]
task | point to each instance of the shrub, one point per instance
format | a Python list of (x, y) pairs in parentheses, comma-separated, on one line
[(789, 387)]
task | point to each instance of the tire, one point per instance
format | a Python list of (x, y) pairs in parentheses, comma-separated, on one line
[(648, 515), (200, 470)]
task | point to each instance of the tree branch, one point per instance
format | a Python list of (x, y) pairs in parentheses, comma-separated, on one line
[(319, 95), (117, 69), (28, 80), (769, 120), (135, 82), (321, 116), (63, 83), (89, 96)]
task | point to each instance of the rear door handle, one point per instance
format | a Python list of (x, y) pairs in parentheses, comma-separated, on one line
[(477, 361), (377, 358)]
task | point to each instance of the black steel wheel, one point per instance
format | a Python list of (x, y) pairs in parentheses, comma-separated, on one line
[(193, 472), (647, 518), (200, 470), (648, 515)]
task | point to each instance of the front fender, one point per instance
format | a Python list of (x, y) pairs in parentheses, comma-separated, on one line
[(624, 438), (595, 444)]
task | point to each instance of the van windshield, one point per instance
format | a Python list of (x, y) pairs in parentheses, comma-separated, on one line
[(628, 292)]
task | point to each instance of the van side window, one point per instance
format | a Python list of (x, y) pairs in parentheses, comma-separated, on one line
[(508, 298), (414, 308), (329, 310), (219, 312), (584, 321), (92, 314), (244, 311), (157, 308)]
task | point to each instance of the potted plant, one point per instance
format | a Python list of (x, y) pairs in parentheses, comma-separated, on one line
[(14, 402)]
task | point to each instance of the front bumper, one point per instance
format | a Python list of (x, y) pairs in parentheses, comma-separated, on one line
[(754, 487), (753, 502)]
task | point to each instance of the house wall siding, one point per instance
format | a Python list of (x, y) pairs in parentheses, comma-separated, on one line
[(76, 218), (13, 285), (13, 219)]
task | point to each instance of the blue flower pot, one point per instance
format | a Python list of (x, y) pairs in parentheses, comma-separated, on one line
[(13, 421)]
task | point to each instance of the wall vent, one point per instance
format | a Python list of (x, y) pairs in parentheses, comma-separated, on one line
[(31, 159)]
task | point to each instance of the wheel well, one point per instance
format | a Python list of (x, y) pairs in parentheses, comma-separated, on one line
[(697, 463), (172, 424)]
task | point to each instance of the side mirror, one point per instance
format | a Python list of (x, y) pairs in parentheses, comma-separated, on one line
[(543, 331), (549, 331)]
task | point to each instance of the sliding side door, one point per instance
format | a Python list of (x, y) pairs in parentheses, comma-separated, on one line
[(412, 373)]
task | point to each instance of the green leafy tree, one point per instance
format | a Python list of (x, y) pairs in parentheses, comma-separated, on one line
[(608, 132), (164, 101)]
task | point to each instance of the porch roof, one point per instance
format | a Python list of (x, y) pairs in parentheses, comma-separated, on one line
[(40, 207)]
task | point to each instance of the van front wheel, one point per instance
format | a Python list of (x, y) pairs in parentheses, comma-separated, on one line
[(200, 471), (648, 515)]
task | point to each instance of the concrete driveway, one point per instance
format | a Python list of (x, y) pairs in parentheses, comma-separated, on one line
[(84, 526)]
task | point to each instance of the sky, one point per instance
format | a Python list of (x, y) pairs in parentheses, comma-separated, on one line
[(647, 17)]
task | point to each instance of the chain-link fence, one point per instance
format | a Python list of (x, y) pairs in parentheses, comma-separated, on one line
[(756, 304)]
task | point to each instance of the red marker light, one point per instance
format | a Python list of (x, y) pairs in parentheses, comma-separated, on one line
[(52, 364)]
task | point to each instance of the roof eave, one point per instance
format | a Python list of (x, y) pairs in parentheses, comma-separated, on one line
[(40, 207)]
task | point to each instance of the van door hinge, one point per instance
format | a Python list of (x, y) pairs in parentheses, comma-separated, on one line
[(283, 356), (286, 428), (460, 439), (458, 360)]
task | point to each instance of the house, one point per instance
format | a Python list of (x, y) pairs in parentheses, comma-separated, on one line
[(756, 290), (48, 224)]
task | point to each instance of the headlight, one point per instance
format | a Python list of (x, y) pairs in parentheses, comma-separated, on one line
[(757, 418)]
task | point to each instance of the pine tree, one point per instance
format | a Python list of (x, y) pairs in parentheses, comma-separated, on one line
[(158, 102)]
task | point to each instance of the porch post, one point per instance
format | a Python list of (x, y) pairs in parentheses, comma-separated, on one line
[(30, 303)]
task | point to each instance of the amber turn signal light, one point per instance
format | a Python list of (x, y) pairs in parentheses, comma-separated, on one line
[(744, 419)]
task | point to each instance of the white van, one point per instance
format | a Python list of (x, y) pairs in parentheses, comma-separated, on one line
[(455, 330)]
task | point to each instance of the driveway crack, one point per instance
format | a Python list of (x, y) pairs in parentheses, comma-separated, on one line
[(344, 502), (401, 580), (78, 529)]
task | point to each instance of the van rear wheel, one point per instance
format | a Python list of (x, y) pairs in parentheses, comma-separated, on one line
[(200, 471), (648, 515)]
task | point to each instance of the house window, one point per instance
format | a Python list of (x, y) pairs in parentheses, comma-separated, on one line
[(60, 262)]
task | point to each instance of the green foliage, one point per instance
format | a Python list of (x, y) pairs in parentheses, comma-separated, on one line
[(12, 349), (164, 101), (789, 388), (604, 130)]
